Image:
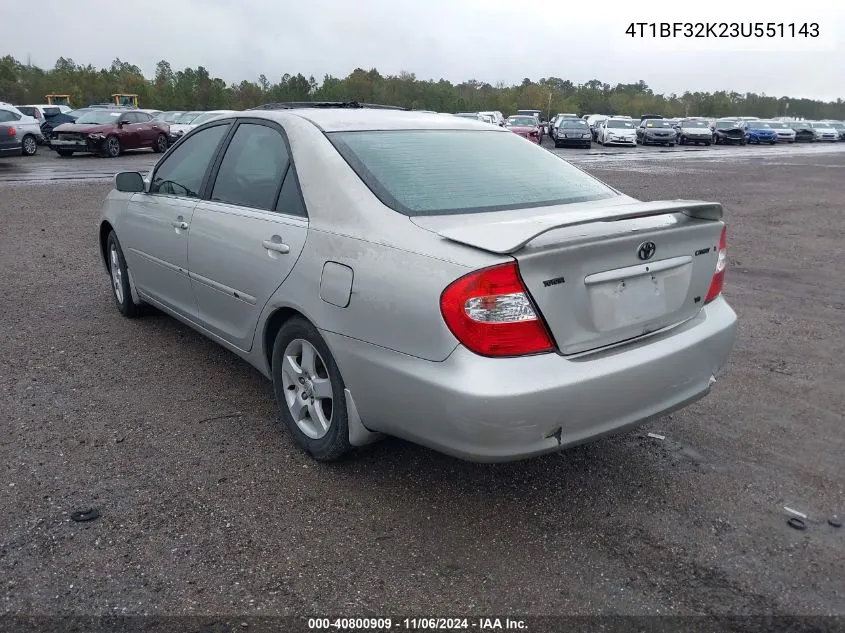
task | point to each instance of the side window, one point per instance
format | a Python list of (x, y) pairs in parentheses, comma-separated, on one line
[(182, 171), (290, 200), (143, 117), (6, 115), (252, 168)]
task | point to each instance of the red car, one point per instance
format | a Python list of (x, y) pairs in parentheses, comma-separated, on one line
[(109, 132), (527, 126)]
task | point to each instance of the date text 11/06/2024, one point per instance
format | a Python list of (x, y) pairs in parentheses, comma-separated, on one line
[(724, 29)]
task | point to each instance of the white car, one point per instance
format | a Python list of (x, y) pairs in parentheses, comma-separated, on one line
[(182, 122), (498, 117), (823, 131), (617, 131), (785, 133), (27, 128)]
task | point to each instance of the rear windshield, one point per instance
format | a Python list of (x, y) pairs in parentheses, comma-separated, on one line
[(441, 172), (28, 111)]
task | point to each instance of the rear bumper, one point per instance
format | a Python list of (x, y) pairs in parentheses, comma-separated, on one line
[(484, 409)]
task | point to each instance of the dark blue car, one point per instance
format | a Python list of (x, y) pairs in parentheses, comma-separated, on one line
[(760, 132)]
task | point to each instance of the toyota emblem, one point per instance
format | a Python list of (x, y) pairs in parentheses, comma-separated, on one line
[(646, 250)]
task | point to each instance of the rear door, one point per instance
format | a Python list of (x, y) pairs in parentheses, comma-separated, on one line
[(246, 237), (154, 231), (146, 133)]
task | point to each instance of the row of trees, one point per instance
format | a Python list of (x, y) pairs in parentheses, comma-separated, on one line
[(195, 88)]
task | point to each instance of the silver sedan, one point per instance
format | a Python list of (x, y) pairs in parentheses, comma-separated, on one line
[(427, 277)]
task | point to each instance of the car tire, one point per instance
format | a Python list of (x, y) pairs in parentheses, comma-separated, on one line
[(671, 145), (294, 379), (160, 144), (119, 275), (29, 145), (64, 153), (771, 142), (111, 147), (589, 146), (557, 145), (707, 143)]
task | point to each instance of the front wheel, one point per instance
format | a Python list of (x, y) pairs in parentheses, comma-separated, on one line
[(707, 143), (29, 146), (111, 148), (310, 393), (119, 274), (161, 144), (771, 142)]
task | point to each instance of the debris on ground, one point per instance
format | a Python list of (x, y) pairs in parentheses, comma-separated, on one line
[(795, 512), (795, 522), (81, 516), (656, 436)]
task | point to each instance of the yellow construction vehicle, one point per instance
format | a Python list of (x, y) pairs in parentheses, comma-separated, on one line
[(125, 100), (58, 100)]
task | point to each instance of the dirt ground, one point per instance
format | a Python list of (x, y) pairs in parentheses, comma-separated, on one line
[(208, 507)]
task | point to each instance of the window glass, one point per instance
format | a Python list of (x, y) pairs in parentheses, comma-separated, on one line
[(432, 172), (253, 167), (143, 117), (6, 115), (182, 171), (290, 200)]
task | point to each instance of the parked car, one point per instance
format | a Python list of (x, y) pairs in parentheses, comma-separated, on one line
[(182, 123), (595, 123), (824, 131), (168, 116), (571, 131), (651, 116), (26, 128), (839, 126), (527, 126), (656, 132), (498, 117), (110, 132), (541, 118), (40, 112), (785, 134), (10, 140), (803, 131), (693, 131), (615, 131), (475, 116), (380, 298), (728, 132), (760, 132)]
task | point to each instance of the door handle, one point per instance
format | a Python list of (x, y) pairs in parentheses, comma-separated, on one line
[(275, 246), (180, 225)]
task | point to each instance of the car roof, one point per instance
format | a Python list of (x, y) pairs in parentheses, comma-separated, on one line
[(361, 119)]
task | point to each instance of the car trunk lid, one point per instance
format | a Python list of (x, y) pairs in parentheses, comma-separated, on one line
[(601, 274)]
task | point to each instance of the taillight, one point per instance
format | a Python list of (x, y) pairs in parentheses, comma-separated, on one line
[(12, 131), (490, 313), (719, 276)]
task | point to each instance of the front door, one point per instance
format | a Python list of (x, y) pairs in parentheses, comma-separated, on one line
[(246, 238), (155, 230)]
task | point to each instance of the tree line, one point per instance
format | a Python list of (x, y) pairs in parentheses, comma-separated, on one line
[(196, 89)]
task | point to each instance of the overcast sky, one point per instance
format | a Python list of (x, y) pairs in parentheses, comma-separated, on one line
[(488, 40)]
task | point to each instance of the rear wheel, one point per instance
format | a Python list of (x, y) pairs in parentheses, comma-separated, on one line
[(65, 152), (707, 143), (161, 144), (29, 145), (310, 391)]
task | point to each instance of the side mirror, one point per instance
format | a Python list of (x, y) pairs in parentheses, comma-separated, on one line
[(129, 182)]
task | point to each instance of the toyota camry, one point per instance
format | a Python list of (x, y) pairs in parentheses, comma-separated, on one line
[(427, 277)]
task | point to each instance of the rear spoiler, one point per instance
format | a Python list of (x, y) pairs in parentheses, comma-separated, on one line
[(511, 235)]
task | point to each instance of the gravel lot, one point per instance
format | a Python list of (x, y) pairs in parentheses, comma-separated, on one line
[(208, 507)]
